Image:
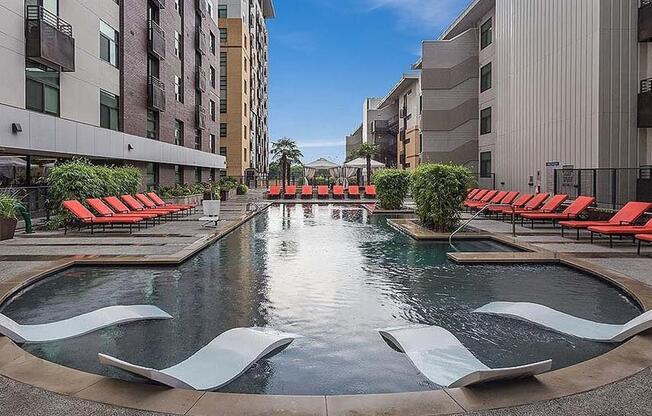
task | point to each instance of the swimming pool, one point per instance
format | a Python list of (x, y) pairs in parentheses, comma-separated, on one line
[(334, 275)]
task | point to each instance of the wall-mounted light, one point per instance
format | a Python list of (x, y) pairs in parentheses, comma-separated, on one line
[(130, 147), (16, 128)]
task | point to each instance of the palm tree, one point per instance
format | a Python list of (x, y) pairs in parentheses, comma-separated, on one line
[(368, 151), (286, 152)]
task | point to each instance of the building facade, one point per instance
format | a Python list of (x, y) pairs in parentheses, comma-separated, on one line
[(380, 127), (78, 82), (244, 85), (353, 143)]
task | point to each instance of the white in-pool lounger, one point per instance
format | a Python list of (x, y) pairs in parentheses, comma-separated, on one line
[(221, 361), (79, 325), (567, 324), (442, 358)]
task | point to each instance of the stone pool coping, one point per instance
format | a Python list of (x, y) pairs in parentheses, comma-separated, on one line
[(625, 360)]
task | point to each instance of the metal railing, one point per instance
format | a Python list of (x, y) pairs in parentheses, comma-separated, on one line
[(40, 13), (480, 211)]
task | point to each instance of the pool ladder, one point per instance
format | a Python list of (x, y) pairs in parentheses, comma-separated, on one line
[(461, 227)]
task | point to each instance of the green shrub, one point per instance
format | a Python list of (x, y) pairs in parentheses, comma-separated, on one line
[(228, 183), (8, 205), (242, 189), (439, 192), (392, 186)]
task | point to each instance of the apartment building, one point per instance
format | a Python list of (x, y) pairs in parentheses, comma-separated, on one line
[(380, 126), (353, 143), (244, 75), (99, 80)]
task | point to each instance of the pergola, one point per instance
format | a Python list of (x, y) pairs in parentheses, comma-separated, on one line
[(310, 169), (359, 165)]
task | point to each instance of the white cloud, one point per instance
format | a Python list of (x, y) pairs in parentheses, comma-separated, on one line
[(429, 15)]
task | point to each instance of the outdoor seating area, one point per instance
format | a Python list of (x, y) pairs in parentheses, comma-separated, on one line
[(308, 192)]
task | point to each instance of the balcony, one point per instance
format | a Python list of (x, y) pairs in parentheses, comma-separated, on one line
[(201, 117), (202, 7), (645, 104), (155, 94), (48, 40), (200, 80), (645, 21), (201, 42), (156, 40)]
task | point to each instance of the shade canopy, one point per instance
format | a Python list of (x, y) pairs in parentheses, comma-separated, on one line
[(361, 163), (320, 164), (12, 161)]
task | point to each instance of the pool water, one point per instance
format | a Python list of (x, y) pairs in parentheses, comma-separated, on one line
[(334, 275)]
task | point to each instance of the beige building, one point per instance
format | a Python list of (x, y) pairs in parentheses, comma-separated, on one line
[(244, 135)]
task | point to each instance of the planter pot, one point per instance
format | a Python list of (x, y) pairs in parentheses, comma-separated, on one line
[(7, 228), (185, 200)]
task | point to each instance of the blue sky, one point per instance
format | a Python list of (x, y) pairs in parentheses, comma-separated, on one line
[(326, 56)]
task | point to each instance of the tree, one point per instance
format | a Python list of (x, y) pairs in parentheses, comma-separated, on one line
[(286, 152), (368, 151)]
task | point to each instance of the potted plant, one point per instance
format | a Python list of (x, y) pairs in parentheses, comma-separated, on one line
[(8, 219), (241, 189)]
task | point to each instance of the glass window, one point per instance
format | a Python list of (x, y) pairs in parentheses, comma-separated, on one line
[(222, 11), (108, 44), (223, 35), (152, 176), (213, 43), (178, 175), (223, 151), (212, 143), (197, 175), (177, 44), (212, 110), (485, 164), (486, 35), (223, 105), (198, 140), (212, 72), (152, 124), (178, 89), (213, 174), (223, 129), (178, 132), (41, 88), (485, 77), (109, 111), (485, 121)]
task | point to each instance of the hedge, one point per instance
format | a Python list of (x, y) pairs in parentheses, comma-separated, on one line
[(439, 191), (392, 186)]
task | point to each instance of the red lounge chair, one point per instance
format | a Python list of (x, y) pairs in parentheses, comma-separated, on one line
[(532, 205), (322, 191), (477, 196), (118, 206), (86, 218), (338, 191), (290, 191), (162, 204), (549, 207), (627, 215), (519, 203), (306, 192), (274, 192), (472, 192), (497, 199), (354, 192), (134, 205), (577, 207), (149, 204), (621, 230), (104, 211), (486, 198), (643, 237), (370, 191)]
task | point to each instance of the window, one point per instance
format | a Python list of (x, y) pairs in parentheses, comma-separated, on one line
[(198, 139), (223, 106), (213, 174), (152, 124), (485, 164), (485, 77), (223, 151), (222, 11), (486, 35), (178, 175), (222, 129), (212, 75), (210, 7), (109, 111), (212, 110), (213, 43), (178, 89), (178, 132), (177, 44), (244, 150), (41, 88), (177, 6), (223, 35), (108, 44), (212, 143), (197, 175), (485, 121), (152, 176)]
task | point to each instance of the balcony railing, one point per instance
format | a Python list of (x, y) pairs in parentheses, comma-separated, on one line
[(645, 21), (201, 42), (200, 79), (645, 104), (201, 117), (156, 40), (48, 39), (155, 94)]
